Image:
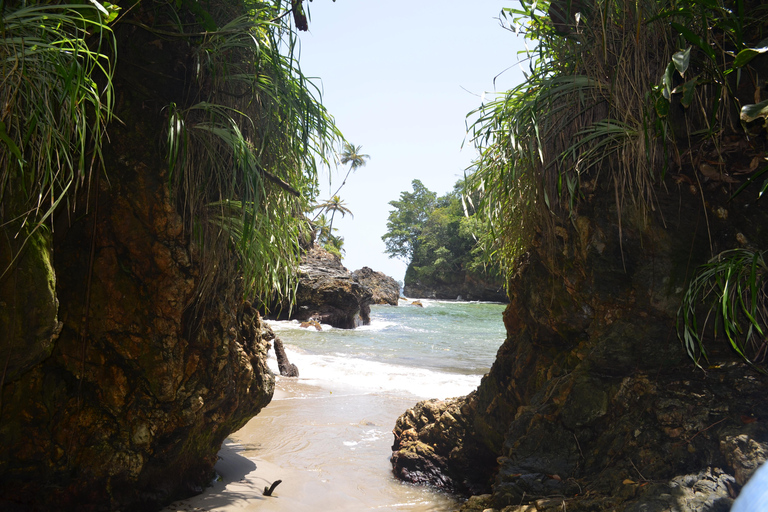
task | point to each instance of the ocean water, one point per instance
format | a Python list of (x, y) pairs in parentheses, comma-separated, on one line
[(440, 350), (328, 433)]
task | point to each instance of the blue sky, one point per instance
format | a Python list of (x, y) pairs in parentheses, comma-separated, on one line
[(399, 77)]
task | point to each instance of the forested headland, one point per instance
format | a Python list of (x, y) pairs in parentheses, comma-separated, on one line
[(438, 238)]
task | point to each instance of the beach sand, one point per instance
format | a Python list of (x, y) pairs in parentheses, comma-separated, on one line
[(330, 449)]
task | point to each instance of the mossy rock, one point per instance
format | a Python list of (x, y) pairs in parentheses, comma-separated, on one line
[(28, 303)]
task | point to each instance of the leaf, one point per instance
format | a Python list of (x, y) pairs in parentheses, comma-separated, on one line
[(746, 55), (688, 89), (662, 106), (627, 481), (695, 39), (681, 60), (751, 112), (667, 80), (12, 147)]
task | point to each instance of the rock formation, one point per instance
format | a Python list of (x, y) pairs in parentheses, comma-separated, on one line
[(135, 384), (287, 369), (384, 288), (464, 287), (120, 383), (592, 402), (328, 293)]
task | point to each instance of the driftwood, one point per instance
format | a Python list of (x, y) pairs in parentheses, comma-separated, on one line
[(286, 368)]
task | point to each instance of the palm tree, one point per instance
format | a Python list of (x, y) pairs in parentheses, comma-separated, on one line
[(320, 225), (351, 155), (333, 205)]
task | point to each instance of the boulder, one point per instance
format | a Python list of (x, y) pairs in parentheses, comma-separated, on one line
[(384, 288), (328, 293)]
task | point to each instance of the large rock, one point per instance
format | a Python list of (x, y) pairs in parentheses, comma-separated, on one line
[(328, 293), (592, 397), (384, 288), (125, 404)]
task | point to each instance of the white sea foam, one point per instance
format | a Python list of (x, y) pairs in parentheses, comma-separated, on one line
[(345, 373)]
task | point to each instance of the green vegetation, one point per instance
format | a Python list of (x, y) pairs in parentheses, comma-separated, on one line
[(324, 230), (612, 88), (324, 227), (57, 99), (243, 159), (436, 237), (242, 154), (736, 282)]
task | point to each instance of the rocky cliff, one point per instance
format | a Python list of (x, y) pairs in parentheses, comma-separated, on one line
[(463, 286), (592, 402), (120, 381), (137, 381)]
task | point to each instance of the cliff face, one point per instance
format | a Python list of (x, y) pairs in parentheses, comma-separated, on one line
[(124, 394), (592, 397), (462, 286)]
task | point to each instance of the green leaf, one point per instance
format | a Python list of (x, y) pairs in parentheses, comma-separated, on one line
[(688, 89), (667, 80), (746, 55), (751, 112), (12, 147), (695, 39), (662, 106), (681, 60)]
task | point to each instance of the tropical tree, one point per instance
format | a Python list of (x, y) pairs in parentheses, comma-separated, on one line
[(334, 205), (407, 220), (351, 155)]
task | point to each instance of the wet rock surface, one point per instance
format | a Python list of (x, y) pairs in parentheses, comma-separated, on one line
[(592, 403), (384, 288)]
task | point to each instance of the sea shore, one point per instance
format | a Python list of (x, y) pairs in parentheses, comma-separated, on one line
[(330, 449)]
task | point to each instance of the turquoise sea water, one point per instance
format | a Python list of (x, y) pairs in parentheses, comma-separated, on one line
[(435, 351)]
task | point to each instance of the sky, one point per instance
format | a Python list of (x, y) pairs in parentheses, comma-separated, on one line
[(399, 77)]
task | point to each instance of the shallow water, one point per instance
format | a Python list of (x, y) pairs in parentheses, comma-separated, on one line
[(328, 433)]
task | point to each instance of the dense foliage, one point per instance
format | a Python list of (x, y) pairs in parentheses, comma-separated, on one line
[(614, 89), (242, 146), (437, 237)]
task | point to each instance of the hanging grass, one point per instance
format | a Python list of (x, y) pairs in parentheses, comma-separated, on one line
[(243, 161), (582, 114), (56, 66)]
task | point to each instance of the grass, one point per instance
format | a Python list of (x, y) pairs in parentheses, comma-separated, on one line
[(733, 285), (243, 161), (596, 108), (56, 66)]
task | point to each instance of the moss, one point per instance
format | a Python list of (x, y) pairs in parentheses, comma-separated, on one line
[(28, 298)]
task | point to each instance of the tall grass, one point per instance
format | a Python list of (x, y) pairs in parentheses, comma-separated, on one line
[(596, 111), (56, 66), (244, 159)]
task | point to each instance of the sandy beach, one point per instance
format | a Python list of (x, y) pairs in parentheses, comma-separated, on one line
[(330, 449)]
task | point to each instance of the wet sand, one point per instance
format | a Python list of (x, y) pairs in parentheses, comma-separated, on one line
[(329, 447)]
